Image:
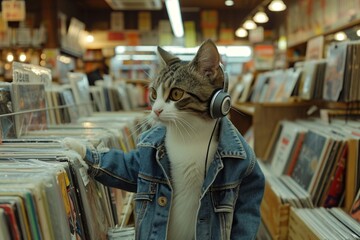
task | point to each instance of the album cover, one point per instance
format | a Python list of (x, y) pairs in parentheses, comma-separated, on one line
[(29, 104)]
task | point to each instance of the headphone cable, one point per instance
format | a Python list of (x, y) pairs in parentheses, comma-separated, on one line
[(208, 147)]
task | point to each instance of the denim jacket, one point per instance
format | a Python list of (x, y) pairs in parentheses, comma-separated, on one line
[(230, 196)]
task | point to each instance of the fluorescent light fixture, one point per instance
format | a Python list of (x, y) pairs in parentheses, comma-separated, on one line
[(229, 3), (142, 57), (123, 57), (186, 54), (186, 57), (249, 24), (261, 17), (145, 48), (222, 50), (181, 50), (277, 6), (173, 10), (238, 51), (340, 36), (241, 32)]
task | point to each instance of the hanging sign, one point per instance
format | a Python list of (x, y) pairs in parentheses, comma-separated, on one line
[(13, 11)]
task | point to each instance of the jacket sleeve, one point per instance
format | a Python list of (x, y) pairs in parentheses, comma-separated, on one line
[(247, 209), (114, 168)]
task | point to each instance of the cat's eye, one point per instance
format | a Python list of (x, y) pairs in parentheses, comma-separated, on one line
[(153, 94), (176, 94)]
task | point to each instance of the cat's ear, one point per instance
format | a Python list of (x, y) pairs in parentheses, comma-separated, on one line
[(207, 59), (166, 57)]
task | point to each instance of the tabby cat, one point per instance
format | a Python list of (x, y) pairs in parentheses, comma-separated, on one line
[(194, 175), (180, 98)]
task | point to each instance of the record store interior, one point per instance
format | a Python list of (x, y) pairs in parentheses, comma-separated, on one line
[(179, 119)]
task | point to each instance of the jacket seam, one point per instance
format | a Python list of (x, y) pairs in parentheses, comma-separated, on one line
[(115, 176), (156, 180), (226, 186), (250, 166)]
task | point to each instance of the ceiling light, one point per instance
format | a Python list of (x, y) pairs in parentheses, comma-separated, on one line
[(229, 3), (340, 36), (10, 57), (22, 57), (249, 24), (241, 32), (261, 17), (89, 38), (282, 43), (173, 10), (277, 6), (358, 33)]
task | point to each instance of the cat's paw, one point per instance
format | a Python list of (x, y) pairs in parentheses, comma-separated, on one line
[(75, 145)]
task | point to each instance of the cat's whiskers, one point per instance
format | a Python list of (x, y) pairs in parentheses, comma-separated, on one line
[(148, 75), (185, 129), (145, 121), (178, 129), (188, 124), (174, 123)]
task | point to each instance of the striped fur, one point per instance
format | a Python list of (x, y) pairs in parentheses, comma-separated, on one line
[(199, 78)]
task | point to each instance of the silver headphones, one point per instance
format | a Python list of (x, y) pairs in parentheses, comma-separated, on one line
[(220, 103)]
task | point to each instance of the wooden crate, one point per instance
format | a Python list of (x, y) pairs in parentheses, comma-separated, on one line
[(275, 214), (298, 229)]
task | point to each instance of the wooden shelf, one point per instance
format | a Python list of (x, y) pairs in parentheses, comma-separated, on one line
[(246, 108), (342, 24), (264, 117), (138, 81)]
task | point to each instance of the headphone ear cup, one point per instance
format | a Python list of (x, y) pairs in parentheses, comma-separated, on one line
[(220, 104)]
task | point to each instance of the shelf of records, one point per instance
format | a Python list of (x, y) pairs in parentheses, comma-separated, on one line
[(334, 78), (32, 102), (323, 19), (313, 180), (45, 193), (258, 120)]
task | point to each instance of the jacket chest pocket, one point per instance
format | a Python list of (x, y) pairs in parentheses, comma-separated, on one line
[(143, 197), (223, 201)]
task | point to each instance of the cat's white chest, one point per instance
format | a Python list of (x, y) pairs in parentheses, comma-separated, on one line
[(187, 163)]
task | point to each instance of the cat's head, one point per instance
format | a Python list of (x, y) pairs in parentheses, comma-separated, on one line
[(184, 90)]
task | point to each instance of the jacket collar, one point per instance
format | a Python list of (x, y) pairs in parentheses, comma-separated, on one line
[(230, 144)]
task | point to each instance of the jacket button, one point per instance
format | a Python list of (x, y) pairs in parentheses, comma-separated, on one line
[(162, 201)]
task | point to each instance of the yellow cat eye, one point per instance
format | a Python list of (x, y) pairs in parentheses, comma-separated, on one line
[(153, 94), (176, 94)]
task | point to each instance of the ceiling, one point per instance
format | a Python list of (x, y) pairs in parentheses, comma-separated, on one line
[(246, 5), (230, 17)]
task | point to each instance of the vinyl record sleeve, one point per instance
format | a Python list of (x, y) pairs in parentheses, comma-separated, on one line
[(21, 215), (29, 104)]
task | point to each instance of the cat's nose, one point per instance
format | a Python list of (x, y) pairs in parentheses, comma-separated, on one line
[(158, 111)]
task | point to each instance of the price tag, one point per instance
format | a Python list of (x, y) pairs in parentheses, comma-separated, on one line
[(13, 10)]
